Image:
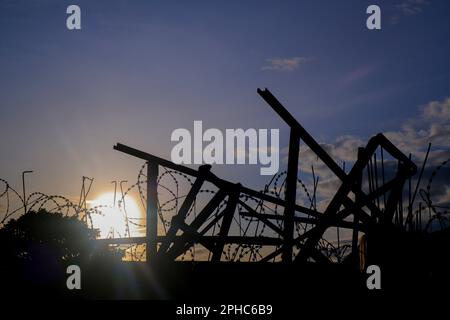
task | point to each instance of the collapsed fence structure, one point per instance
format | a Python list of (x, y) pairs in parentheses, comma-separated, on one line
[(217, 220), (238, 222)]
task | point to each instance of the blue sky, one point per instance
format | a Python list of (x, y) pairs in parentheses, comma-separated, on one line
[(140, 69)]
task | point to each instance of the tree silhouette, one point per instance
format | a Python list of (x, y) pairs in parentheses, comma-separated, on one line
[(43, 233), (37, 247)]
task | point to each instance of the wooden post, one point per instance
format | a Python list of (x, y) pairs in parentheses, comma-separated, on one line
[(355, 233), (152, 211), (290, 196)]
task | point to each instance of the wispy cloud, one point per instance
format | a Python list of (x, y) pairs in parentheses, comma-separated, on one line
[(408, 8), (284, 64), (356, 75), (412, 7)]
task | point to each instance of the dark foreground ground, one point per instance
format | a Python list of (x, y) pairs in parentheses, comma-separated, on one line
[(185, 281), (414, 265)]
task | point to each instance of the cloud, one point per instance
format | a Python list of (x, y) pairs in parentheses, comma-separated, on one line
[(408, 8), (412, 7), (356, 75), (438, 110), (284, 64), (432, 124)]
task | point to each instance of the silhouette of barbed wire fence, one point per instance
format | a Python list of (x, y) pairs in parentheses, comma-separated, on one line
[(171, 194), (172, 189), (220, 220), (436, 211), (37, 201), (202, 217), (6, 205)]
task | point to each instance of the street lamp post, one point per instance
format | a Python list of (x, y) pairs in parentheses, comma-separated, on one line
[(23, 189), (115, 191), (127, 226)]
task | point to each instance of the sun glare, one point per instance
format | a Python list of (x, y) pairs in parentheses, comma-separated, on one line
[(111, 221)]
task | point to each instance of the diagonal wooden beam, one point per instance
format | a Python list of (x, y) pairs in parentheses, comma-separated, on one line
[(228, 214), (184, 209)]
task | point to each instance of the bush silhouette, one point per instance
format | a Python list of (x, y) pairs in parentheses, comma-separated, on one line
[(37, 244), (36, 233)]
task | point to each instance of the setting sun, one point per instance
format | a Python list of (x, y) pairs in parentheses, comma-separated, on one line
[(111, 219)]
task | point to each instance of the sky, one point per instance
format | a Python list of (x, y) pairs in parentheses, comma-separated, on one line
[(137, 70)]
